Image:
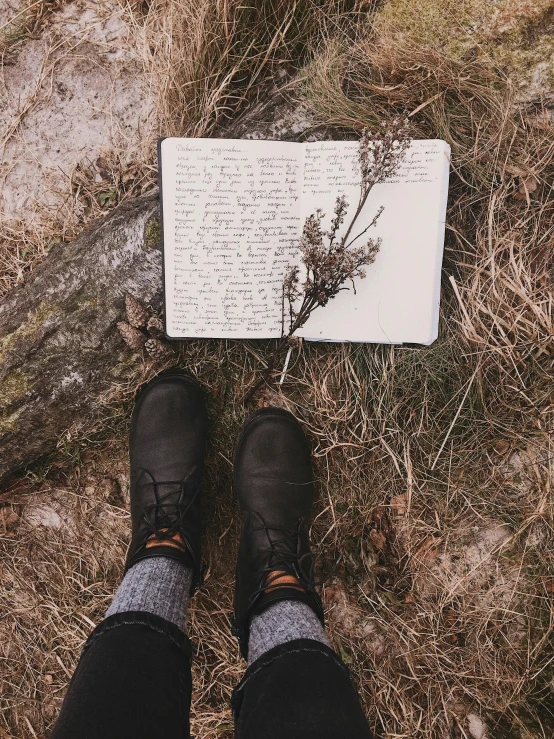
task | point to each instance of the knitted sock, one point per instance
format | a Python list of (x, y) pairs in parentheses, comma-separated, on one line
[(159, 585), (282, 622)]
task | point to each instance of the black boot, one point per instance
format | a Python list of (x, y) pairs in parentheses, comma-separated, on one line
[(274, 484), (166, 446)]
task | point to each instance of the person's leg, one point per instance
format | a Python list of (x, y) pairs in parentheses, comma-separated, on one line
[(295, 686), (298, 690), (133, 680)]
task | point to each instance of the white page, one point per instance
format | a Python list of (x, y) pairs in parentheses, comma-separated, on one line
[(398, 300), (231, 218)]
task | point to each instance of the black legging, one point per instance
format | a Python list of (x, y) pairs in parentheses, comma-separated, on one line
[(134, 682)]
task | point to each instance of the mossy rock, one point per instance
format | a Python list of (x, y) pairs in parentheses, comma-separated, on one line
[(518, 37)]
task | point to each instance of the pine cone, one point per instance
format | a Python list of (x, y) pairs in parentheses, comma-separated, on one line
[(155, 327), (136, 314), (134, 338), (158, 349)]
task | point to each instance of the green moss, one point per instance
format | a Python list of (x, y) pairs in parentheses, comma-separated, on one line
[(13, 32), (80, 301), (153, 233), (516, 37), (530, 67), (8, 421), (446, 24), (87, 305), (28, 329), (12, 388)]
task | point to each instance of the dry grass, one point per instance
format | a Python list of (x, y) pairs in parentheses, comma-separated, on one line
[(434, 518), (210, 58), (476, 636), (26, 20)]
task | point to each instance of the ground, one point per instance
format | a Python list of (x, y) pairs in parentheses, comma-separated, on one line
[(433, 523)]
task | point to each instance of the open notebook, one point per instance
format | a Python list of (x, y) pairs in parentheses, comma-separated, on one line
[(232, 213)]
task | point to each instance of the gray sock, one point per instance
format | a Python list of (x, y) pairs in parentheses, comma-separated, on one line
[(282, 622), (159, 585)]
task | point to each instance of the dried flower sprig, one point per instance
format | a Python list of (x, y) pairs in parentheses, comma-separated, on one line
[(328, 266), (329, 259)]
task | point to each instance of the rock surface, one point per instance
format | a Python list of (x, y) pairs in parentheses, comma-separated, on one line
[(59, 347), (60, 350), (73, 92)]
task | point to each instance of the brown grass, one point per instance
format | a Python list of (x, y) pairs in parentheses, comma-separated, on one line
[(441, 419), (210, 58), (27, 20), (434, 517)]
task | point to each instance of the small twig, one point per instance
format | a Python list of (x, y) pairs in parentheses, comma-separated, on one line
[(285, 366), (373, 223), (470, 383)]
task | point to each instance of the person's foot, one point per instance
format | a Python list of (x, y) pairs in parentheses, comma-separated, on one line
[(166, 448), (274, 485)]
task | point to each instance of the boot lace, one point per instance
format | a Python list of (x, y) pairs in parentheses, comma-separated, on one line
[(164, 517), (281, 558)]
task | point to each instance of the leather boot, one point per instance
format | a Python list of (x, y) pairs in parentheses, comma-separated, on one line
[(166, 446), (274, 484)]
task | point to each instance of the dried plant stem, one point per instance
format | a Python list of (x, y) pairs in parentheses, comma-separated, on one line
[(285, 366), (328, 266)]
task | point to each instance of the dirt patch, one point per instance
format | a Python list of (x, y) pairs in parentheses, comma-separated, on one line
[(76, 93)]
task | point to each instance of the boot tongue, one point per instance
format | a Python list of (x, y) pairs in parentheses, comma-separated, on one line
[(278, 546), (166, 490)]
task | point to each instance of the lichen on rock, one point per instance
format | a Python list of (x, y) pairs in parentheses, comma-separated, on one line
[(28, 330), (13, 389), (153, 233)]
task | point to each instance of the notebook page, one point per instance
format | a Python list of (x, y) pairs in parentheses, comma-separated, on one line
[(231, 217), (398, 300)]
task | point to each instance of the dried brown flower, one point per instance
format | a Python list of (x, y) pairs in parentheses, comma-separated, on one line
[(381, 152), (330, 260)]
